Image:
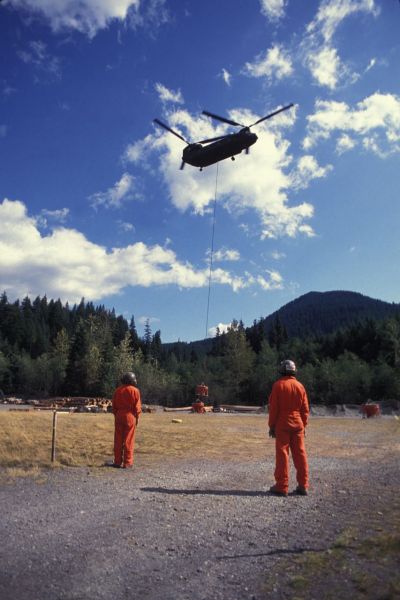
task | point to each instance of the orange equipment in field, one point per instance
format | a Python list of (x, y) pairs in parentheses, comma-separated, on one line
[(370, 410), (201, 393)]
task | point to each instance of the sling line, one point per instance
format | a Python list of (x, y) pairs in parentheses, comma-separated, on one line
[(212, 249)]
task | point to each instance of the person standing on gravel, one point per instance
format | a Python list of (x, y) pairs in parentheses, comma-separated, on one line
[(287, 420), (126, 405)]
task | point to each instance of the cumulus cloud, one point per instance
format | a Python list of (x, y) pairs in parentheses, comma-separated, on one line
[(320, 55), (331, 13), (66, 265), (88, 16), (258, 182), (344, 143), (325, 66), (222, 328), (167, 95), (308, 169), (273, 9), (274, 64), (116, 195), (375, 120)]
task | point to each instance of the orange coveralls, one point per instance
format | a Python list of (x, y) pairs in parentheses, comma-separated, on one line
[(288, 415), (126, 405)]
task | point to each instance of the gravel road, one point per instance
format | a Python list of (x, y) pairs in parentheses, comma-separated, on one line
[(184, 530)]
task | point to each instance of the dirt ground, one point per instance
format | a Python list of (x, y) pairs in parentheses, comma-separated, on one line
[(200, 525)]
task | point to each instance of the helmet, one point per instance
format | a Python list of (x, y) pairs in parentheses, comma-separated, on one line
[(129, 378), (287, 367)]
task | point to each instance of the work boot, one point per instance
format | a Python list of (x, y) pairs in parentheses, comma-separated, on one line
[(301, 491), (275, 492)]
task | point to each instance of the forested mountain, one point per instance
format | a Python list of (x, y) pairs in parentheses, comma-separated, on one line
[(319, 313), (47, 348)]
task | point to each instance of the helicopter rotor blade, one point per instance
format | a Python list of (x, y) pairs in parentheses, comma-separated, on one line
[(220, 137), (276, 112), (182, 165), (222, 119), (161, 124)]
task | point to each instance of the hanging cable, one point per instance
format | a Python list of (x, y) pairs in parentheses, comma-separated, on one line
[(212, 249)]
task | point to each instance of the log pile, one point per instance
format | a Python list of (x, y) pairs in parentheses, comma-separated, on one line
[(74, 403)]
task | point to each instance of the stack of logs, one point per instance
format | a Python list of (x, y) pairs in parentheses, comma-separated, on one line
[(74, 403)]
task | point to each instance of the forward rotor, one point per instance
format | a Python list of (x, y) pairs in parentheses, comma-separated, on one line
[(235, 124)]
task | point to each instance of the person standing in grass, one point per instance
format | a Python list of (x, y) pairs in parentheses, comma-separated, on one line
[(287, 419), (126, 406)]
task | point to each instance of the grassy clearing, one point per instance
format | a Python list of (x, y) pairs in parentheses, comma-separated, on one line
[(87, 440)]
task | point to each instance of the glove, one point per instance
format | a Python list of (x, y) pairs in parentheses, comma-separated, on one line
[(272, 432)]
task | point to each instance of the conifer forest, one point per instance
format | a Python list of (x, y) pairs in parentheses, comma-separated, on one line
[(51, 349)]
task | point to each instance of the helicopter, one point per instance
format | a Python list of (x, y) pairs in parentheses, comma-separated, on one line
[(221, 147)]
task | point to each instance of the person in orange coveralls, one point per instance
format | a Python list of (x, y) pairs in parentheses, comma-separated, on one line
[(288, 415), (126, 406)]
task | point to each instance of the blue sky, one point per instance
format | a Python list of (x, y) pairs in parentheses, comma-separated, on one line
[(92, 201)]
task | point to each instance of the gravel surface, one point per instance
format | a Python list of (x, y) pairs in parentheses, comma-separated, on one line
[(184, 530)]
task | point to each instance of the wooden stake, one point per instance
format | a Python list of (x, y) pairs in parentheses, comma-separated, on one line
[(53, 441)]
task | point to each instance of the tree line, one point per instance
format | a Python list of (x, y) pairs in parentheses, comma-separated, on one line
[(51, 349)]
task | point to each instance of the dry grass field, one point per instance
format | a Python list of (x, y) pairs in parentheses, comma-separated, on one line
[(87, 439)]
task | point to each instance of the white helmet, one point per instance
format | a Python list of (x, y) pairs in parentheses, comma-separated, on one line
[(287, 367)]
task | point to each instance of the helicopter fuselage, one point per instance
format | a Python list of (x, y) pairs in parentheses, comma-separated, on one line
[(201, 156)]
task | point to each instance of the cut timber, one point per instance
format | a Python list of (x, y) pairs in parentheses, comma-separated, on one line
[(237, 408), (180, 409)]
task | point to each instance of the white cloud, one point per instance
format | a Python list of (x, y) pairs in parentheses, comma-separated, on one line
[(223, 328), (225, 254), (114, 196), (273, 281), (66, 265), (226, 76), (124, 226), (371, 64), (320, 56), (59, 216), (143, 320), (276, 255), (86, 16), (344, 143), (167, 95), (274, 64), (273, 9), (38, 56), (308, 169), (325, 66), (331, 13), (376, 120), (257, 182)]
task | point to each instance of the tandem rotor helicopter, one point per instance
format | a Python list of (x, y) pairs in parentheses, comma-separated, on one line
[(221, 147)]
